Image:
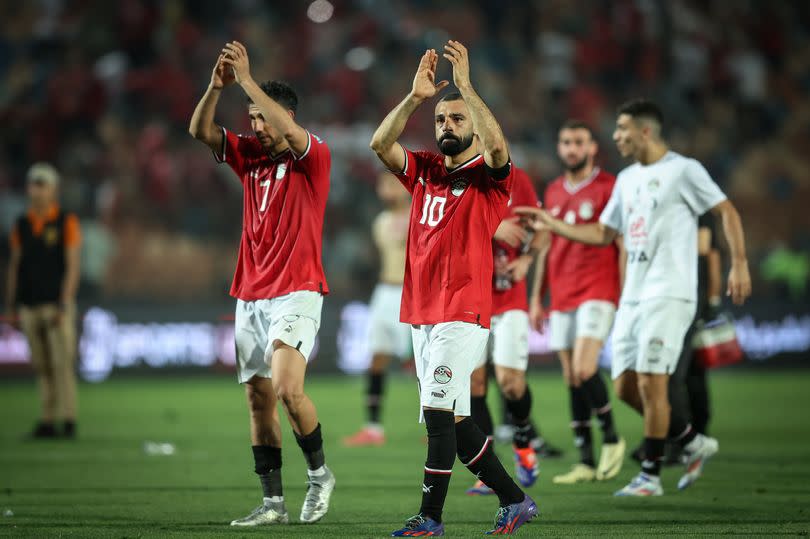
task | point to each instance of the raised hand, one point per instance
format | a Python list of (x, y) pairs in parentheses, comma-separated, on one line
[(457, 54), (222, 75), (235, 56), (424, 82)]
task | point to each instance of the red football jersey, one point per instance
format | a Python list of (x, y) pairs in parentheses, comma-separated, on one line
[(454, 214), (577, 272), (282, 217), (514, 297)]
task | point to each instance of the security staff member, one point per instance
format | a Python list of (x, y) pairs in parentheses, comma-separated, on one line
[(43, 279)]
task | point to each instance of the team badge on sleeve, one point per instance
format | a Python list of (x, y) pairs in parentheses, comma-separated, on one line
[(442, 374)]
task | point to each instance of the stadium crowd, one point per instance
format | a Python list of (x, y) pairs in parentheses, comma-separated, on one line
[(104, 90)]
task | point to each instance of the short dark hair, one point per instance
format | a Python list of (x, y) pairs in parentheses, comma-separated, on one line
[(642, 108), (280, 92), (451, 96), (573, 123)]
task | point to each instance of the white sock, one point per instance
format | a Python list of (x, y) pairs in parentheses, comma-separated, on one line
[(317, 472), (273, 500)]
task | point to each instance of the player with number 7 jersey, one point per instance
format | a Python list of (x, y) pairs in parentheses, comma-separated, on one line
[(279, 282)]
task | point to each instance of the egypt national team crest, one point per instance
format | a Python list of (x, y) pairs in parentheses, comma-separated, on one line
[(442, 374), (281, 170), (459, 186), (586, 210)]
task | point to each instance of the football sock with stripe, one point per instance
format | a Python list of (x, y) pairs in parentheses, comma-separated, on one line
[(521, 410), (600, 402), (267, 460), (441, 435), (376, 382), (653, 455), (479, 412), (475, 452), (581, 424)]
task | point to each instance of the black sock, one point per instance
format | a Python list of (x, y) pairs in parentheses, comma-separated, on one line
[(520, 409), (598, 398), (686, 435), (441, 435), (374, 396), (475, 451), (479, 412), (312, 446), (653, 455), (268, 467), (581, 424)]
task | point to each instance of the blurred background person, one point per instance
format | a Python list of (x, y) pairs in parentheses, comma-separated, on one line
[(389, 338), (42, 283), (584, 282)]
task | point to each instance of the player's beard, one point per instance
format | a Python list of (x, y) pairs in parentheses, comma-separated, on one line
[(576, 167), (452, 145)]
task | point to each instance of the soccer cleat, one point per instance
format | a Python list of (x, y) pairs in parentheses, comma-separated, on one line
[(264, 515), (420, 526), (316, 502), (479, 489), (526, 467), (545, 450), (367, 436), (580, 473), (510, 518), (610, 461), (698, 451), (642, 485)]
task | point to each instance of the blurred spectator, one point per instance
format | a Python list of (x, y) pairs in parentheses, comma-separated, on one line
[(105, 89)]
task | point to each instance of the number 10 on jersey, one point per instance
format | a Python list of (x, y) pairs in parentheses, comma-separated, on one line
[(432, 210)]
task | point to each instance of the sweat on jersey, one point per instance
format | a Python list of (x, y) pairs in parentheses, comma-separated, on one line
[(578, 272), (282, 216), (454, 214), (656, 207)]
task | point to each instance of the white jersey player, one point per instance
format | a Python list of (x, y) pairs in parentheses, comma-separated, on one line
[(655, 205)]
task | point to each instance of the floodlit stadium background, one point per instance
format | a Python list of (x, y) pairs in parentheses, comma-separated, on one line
[(104, 90)]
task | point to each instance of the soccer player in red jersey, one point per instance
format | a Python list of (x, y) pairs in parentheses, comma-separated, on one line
[(459, 198), (513, 250), (583, 281), (279, 281)]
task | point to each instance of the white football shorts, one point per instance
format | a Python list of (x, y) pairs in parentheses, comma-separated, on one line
[(293, 319), (387, 335), (593, 318), (445, 355), (509, 340), (649, 334)]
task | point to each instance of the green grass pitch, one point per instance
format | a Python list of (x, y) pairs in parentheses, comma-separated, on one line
[(104, 485)]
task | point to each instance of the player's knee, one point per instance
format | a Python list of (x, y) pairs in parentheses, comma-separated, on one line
[(290, 395), (512, 386)]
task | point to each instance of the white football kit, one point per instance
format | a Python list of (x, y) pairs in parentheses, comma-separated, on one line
[(655, 207)]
